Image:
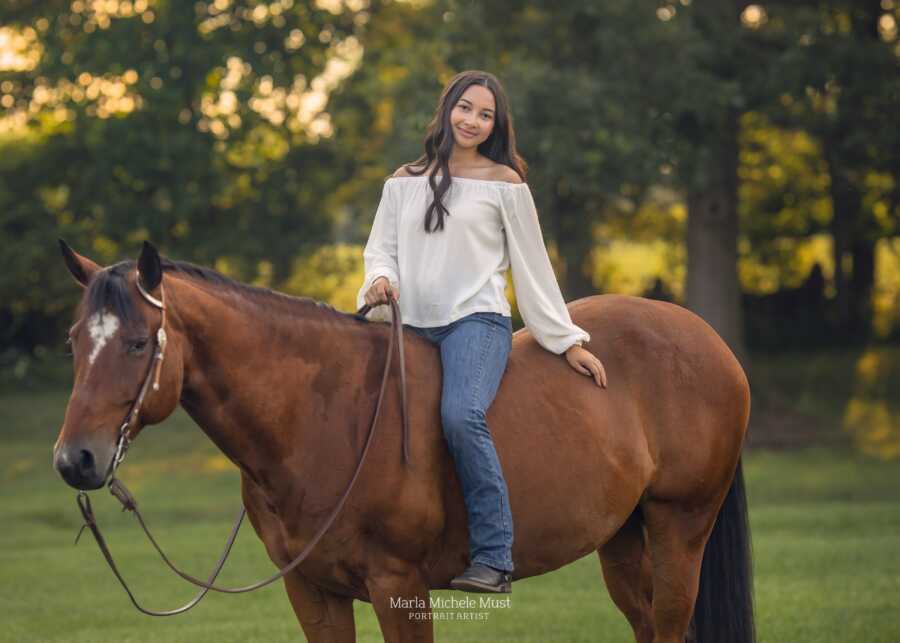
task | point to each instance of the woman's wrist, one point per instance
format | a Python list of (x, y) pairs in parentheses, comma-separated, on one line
[(579, 344)]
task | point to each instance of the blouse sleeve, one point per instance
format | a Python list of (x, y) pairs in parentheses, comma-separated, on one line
[(380, 253), (537, 291)]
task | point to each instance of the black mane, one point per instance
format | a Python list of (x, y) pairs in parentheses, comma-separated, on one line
[(108, 290)]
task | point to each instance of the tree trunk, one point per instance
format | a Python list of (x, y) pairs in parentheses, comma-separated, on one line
[(853, 251), (844, 208), (862, 287), (713, 289), (853, 228)]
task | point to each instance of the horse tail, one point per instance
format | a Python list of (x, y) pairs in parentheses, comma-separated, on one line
[(724, 607)]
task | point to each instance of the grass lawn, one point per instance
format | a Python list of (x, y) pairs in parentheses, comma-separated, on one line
[(826, 530)]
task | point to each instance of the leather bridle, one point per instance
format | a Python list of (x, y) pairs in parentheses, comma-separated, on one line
[(153, 372), (121, 493)]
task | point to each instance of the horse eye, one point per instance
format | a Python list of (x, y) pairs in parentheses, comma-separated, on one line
[(137, 346)]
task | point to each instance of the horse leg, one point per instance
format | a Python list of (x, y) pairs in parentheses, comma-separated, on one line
[(401, 601), (325, 617), (628, 576), (676, 538)]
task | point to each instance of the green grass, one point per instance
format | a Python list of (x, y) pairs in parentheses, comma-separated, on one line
[(826, 529)]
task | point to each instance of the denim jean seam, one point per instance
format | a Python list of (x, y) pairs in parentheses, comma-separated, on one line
[(504, 523), (507, 526), (473, 402), (476, 388)]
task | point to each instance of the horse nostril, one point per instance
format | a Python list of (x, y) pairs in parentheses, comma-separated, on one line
[(85, 461), (78, 466)]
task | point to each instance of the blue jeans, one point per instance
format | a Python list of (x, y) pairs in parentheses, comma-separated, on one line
[(474, 352)]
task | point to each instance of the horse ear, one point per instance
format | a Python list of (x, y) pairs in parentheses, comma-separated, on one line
[(150, 267), (82, 268)]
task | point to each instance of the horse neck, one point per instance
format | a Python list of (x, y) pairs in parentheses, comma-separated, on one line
[(261, 380)]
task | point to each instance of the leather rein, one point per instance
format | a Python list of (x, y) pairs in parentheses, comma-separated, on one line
[(129, 503)]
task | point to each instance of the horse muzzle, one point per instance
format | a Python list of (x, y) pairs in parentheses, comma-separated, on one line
[(83, 465)]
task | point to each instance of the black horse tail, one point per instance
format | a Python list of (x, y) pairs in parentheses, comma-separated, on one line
[(724, 608)]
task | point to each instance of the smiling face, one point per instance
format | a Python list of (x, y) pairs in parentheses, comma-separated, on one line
[(472, 118)]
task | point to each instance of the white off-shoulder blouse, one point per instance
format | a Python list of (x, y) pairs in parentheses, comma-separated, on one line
[(448, 274)]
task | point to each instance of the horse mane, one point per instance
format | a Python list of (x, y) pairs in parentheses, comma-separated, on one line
[(108, 290)]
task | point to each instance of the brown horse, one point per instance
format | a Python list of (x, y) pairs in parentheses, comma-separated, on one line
[(285, 387)]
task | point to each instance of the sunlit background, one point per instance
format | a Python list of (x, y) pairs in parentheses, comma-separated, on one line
[(737, 158), (254, 136)]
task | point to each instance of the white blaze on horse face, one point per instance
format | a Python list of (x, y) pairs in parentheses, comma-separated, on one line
[(102, 326)]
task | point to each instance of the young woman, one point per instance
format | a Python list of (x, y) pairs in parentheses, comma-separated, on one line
[(448, 227)]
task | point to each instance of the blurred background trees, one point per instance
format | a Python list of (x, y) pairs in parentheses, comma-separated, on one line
[(739, 158)]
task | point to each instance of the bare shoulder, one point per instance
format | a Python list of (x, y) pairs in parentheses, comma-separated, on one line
[(505, 173), (403, 170)]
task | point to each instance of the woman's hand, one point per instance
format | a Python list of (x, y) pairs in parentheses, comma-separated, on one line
[(583, 361), (380, 291)]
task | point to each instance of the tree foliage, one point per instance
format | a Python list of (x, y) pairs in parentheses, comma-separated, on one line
[(197, 125), (246, 134)]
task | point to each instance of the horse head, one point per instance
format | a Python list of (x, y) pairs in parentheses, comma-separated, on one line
[(115, 342)]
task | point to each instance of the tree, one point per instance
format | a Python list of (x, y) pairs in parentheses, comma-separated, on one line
[(200, 126), (580, 78), (845, 91)]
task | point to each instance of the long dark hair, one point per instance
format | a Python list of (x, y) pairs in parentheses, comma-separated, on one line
[(500, 146)]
